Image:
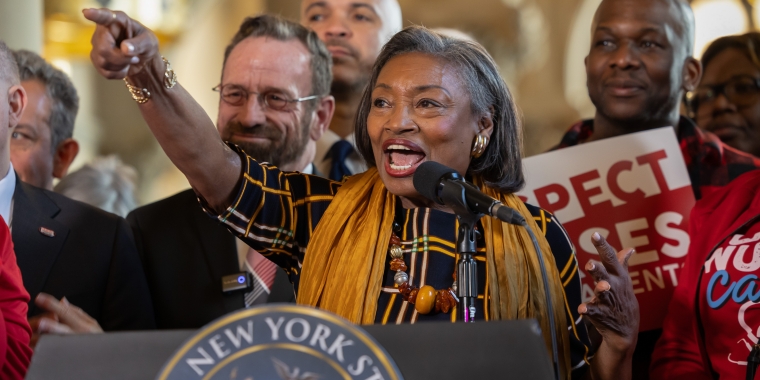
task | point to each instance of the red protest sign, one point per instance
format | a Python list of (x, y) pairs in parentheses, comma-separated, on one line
[(632, 189)]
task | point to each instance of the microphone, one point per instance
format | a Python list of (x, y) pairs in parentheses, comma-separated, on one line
[(445, 186)]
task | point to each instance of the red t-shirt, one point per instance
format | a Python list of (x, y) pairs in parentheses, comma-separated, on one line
[(729, 297)]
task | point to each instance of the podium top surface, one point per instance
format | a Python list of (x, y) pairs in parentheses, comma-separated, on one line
[(505, 349)]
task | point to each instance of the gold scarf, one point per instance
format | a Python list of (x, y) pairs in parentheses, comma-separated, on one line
[(339, 274)]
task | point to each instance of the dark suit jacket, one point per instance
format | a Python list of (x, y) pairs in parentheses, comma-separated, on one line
[(91, 259), (185, 254)]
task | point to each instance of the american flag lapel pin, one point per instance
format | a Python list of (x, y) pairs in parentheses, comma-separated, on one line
[(47, 232)]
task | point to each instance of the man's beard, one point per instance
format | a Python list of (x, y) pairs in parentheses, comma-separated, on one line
[(279, 149)]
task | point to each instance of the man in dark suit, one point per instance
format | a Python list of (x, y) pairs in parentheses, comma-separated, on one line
[(185, 255), (276, 118), (69, 249), (66, 248)]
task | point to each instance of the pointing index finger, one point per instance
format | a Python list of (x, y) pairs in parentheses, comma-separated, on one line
[(100, 16)]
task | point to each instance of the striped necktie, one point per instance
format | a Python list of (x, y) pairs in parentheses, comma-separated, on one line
[(263, 272)]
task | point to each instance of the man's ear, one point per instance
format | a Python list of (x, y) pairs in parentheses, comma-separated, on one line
[(16, 103), (65, 154), (322, 117), (692, 74)]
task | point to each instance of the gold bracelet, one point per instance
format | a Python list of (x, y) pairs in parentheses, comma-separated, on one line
[(142, 95), (170, 77)]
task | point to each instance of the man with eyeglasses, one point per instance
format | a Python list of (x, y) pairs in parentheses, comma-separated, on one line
[(727, 101), (274, 104), (638, 69)]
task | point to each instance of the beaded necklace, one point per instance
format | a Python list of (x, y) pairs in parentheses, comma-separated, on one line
[(427, 298)]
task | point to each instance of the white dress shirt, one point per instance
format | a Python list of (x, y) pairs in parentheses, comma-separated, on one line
[(7, 189), (309, 169)]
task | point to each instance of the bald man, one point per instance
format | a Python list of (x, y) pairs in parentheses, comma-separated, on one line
[(354, 32), (15, 333), (638, 69)]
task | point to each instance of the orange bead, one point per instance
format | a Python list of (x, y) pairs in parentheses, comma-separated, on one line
[(425, 301), (398, 264)]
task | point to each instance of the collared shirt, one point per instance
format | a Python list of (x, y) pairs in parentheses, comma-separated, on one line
[(308, 170), (711, 163), (323, 162), (277, 212), (7, 189)]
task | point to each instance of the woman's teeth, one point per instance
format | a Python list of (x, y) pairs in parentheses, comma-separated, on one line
[(403, 160), (397, 167), (401, 157)]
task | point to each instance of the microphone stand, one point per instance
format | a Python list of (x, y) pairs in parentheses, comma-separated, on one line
[(467, 267), (467, 270), (451, 192)]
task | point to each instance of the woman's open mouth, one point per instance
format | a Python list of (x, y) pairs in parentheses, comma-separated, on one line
[(402, 157)]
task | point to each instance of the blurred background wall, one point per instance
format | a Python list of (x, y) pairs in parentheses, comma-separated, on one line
[(539, 45)]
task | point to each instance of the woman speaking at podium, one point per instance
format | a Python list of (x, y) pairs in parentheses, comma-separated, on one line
[(371, 248)]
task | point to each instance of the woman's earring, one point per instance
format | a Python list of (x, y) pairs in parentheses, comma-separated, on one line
[(479, 146), (689, 100)]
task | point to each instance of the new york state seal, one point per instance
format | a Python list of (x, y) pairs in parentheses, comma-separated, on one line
[(280, 341)]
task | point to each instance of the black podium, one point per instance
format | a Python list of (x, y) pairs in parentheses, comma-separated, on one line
[(485, 350)]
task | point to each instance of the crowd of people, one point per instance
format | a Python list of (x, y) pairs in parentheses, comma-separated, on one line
[(305, 182)]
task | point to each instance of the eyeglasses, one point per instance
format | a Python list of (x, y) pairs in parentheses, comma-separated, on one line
[(741, 91), (235, 95)]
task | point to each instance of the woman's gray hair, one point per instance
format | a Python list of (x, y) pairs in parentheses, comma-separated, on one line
[(500, 166), (105, 183), (58, 87)]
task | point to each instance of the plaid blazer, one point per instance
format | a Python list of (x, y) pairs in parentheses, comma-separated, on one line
[(276, 213)]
